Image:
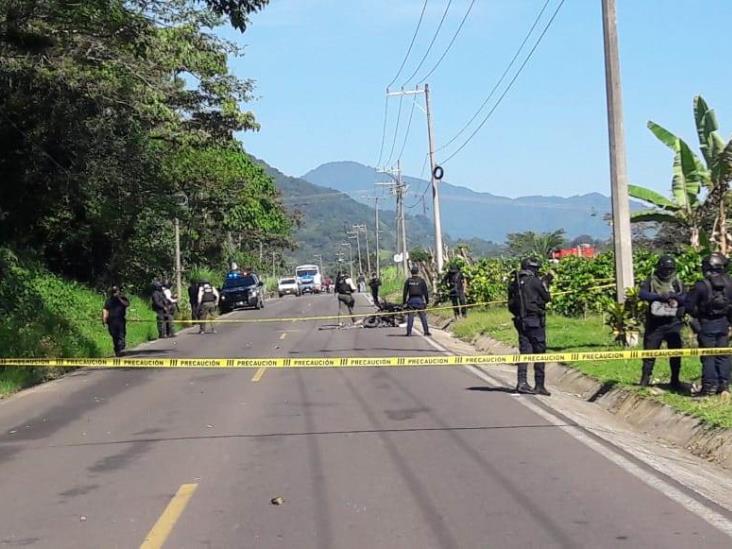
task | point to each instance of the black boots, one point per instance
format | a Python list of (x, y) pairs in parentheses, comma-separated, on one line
[(523, 386), (539, 388)]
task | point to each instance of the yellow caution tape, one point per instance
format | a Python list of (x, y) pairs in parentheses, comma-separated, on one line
[(355, 362), (355, 315)]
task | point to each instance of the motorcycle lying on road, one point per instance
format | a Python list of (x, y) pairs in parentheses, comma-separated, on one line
[(390, 315)]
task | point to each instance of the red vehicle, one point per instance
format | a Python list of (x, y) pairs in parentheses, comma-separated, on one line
[(583, 250), (327, 284)]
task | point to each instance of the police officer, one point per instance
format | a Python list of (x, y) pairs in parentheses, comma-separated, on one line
[(710, 303), (208, 297), (114, 318), (665, 296), (455, 282), (374, 285), (416, 296), (528, 295), (163, 311), (344, 287), (193, 299)]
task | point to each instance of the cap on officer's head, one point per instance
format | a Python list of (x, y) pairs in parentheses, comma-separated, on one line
[(414, 270)]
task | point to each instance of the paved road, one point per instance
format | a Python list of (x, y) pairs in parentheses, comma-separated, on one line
[(363, 458)]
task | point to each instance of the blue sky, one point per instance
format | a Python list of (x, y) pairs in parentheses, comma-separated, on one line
[(321, 68)]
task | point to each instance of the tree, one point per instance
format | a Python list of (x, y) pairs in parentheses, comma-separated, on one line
[(99, 100), (688, 208), (538, 245)]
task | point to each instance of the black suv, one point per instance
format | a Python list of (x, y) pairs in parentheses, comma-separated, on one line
[(241, 290)]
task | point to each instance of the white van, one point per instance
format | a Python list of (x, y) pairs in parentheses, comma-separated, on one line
[(309, 278)]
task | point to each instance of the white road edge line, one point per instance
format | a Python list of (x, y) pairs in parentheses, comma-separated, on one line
[(687, 502)]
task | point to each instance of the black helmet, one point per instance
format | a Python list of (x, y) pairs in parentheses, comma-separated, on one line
[(414, 270), (666, 267), (530, 264), (714, 263)]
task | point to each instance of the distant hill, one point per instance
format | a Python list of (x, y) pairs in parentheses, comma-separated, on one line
[(325, 214), (468, 214)]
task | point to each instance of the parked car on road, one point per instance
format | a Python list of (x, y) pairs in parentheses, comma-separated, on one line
[(241, 290), (288, 285)]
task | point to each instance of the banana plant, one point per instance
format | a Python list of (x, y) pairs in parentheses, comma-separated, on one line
[(692, 175)]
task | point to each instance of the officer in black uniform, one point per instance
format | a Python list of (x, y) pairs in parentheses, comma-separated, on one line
[(416, 296), (374, 285), (193, 299), (455, 282), (528, 295), (162, 307), (710, 303), (344, 288), (114, 317), (665, 296)]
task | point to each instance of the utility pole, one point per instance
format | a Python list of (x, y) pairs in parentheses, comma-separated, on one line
[(319, 257), (350, 255), (376, 208), (355, 235), (435, 190), (363, 227), (274, 273), (433, 164), (178, 268), (618, 170), (399, 189), (402, 189)]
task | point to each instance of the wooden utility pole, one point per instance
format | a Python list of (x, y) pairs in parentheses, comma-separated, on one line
[(618, 170)]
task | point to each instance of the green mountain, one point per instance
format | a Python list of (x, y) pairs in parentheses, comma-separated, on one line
[(325, 214), (467, 213)]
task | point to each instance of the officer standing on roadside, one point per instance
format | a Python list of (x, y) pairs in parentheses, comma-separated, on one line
[(710, 303), (455, 282), (528, 296), (416, 296), (193, 299), (163, 311), (374, 285), (665, 296), (114, 318), (208, 298)]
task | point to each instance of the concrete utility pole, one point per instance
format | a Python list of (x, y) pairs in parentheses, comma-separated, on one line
[(399, 189), (350, 255), (403, 190), (363, 227), (274, 272), (435, 190), (178, 268), (433, 164), (618, 171), (355, 235), (376, 208), (319, 257)]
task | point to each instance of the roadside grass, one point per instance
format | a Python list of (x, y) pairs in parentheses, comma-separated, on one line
[(590, 334), (392, 283), (47, 316)]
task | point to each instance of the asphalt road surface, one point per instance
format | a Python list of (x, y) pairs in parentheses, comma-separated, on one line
[(413, 457)]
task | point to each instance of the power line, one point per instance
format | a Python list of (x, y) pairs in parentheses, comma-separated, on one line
[(396, 129), (452, 41), (411, 44), (383, 131), (432, 43), (510, 84), (500, 80), (406, 134)]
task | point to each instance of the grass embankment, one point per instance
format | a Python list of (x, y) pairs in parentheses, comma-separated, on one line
[(392, 284), (590, 334), (46, 316)]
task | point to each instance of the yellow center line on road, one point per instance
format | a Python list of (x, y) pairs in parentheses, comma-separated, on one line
[(258, 374), (164, 526)]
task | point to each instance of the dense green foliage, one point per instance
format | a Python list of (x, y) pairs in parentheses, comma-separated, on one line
[(579, 285), (112, 108), (44, 315)]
